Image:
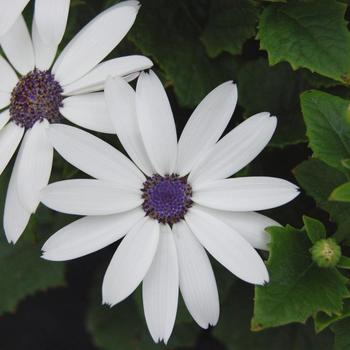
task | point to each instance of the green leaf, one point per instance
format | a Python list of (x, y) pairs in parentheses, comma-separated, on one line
[(314, 229), (342, 335), (177, 48), (230, 24), (276, 90), (22, 271), (233, 329), (341, 193), (322, 320), (346, 163), (319, 180), (298, 288), (310, 34), (327, 121)]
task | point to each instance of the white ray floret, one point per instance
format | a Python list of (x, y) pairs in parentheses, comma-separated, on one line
[(187, 204)]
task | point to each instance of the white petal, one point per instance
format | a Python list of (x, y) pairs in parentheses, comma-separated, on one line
[(160, 289), (16, 217), (89, 234), (249, 225), (156, 123), (8, 76), (245, 193), (51, 18), (206, 125), (131, 261), (34, 165), (227, 246), (10, 11), (117, 67), (95, 41), (18, 47), (89, 197), (10, 137), (5, 99), (197, 280), (4, 118), (44, 53), (94, 156), (237, 149), (88, 111), (121, 105)]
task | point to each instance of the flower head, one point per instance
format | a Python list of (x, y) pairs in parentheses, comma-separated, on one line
[(40, 95), (172, 203)]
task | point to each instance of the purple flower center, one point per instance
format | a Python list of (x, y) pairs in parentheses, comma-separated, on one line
[(166, 198), (36, 96)]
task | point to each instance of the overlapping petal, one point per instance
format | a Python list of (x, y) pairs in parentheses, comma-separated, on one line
[(206, 125), (227, 246), (10, 11), (131, 261)]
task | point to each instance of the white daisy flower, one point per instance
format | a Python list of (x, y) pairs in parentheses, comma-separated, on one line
[(38, 95), (172, 203)]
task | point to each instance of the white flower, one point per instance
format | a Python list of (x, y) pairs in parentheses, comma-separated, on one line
[(178, 205), (41, 96)]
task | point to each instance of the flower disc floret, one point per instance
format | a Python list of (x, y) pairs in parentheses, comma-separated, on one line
[(166, 198), (37, 96)]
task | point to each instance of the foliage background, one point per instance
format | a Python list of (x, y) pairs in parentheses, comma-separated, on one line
[(291, 58)]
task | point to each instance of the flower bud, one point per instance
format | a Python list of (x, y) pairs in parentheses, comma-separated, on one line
[(326, 253)]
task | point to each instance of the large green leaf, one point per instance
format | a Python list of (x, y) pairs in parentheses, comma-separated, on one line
[(230, 24), (327, 121), (310, 34), (276, 90), (318, 179), (233, 329), (169, 32), (298, 288)]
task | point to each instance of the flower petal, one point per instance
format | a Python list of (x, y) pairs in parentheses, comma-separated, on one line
[(227, 246), (18, 46), (117, 67), (8, 76), (197, 280), (34, 165), (4, 118), (156, 123), (95, 41), (88, 111), (249, 225), (44, 53), (94, 156), (89, 234), (16, 217), (245, 193), (10, 137), (131, 261), (206, 125), (237, 149), (121, 104), (89, 197), (51, 18), (10, 11), (5, 99), (160, 289)]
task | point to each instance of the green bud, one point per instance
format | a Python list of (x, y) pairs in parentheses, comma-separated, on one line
[(326, 253)]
